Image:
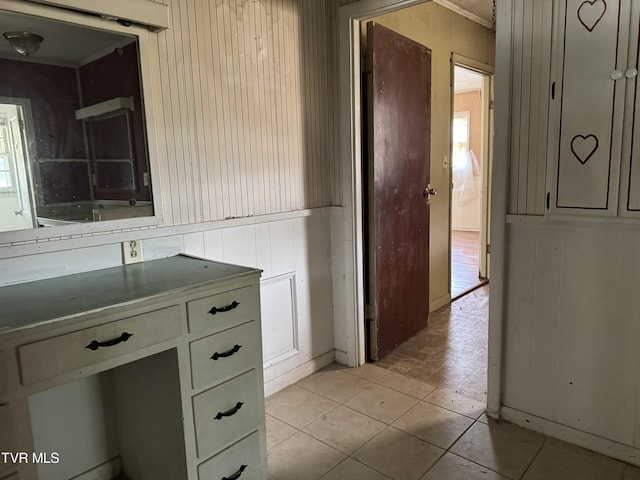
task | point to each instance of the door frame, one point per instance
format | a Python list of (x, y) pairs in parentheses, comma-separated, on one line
[(487, 71), (347, 222), (29, 149)]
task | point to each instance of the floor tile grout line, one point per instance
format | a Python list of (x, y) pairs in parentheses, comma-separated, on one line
[(349, 457), (448, 450), (417, 401), (546, 437), (444, 450), (333, 400), (387, 425)]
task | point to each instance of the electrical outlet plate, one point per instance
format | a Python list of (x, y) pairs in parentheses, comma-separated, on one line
[(131, 252)]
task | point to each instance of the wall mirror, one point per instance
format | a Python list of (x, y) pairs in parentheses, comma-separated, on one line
[(74, 143)]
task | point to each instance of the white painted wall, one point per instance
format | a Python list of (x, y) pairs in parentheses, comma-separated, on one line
[(571, 331)]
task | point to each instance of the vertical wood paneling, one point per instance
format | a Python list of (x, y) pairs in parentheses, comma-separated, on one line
[(544, 341), (531, 60), (246, 99), (539, 117), (202, 203), (524, 154), (571, 332), (180, 110), (519, 327), (335, 168), (516, 104), (331, 72), (211, 197)]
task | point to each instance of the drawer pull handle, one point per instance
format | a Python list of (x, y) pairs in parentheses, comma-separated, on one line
[(215, 310), (229, 412), (236, 475), (228, 353), (94, 345)]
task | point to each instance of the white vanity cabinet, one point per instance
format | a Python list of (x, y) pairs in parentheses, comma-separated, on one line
[(593, 158), (174, 349)]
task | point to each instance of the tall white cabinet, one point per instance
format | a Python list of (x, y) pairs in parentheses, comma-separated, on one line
[(567, 100), (592, 155)]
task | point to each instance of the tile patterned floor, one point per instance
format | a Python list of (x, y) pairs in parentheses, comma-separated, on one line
[(374, 424), (451, 353), (417, 415)]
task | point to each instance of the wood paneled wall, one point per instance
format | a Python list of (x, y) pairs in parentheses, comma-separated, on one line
[(571, 328), (248, 91), (530, 83)]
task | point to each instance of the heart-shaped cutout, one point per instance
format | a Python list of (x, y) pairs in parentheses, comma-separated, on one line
[(591, 12), (583, 147)]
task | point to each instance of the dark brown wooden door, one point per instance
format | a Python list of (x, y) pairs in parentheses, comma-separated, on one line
[(398, 130)]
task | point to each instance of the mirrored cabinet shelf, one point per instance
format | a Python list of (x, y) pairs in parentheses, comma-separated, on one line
[(76, 136), (104, 108)]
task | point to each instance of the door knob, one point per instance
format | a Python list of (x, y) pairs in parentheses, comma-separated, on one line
[(429, 191)]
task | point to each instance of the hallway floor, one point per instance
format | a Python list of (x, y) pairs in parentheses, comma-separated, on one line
[(465, 261), (451, 352), (417, 418)]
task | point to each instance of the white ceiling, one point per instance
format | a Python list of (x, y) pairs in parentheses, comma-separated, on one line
[(63, 44), (481, 8), (466, 80)]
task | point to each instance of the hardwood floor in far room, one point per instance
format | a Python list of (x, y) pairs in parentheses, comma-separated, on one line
[(465, 261)]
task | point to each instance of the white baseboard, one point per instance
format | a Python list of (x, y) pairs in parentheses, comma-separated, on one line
[(342, 358), (298, 373), (105, 471), (439, 302), (586, 440)]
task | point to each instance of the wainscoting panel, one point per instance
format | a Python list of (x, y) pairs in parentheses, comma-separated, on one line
[(571, 329), (279, 318)]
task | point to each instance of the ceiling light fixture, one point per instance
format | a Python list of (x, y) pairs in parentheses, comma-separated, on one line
[(25, 43)]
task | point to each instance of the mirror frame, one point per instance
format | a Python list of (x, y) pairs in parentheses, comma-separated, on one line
[(146, 41)]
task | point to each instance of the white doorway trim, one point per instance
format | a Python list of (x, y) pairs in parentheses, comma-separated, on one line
[(348, 235), (487, 71)]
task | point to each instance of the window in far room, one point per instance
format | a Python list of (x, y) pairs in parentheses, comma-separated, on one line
[(460, 132), (6, 171)]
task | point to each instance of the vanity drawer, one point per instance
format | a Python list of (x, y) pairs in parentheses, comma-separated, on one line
[(225, 413), (224, 354), (66, 353), (243, 456), (222, 311), (7, 442)]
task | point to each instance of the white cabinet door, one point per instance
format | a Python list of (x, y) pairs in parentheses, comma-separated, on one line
[(630, 175), (588, 100)]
